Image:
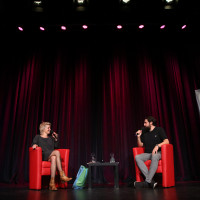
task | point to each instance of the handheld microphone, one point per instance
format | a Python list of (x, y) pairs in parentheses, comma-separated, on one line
[(136, 134), (52, 134), (142, 129)]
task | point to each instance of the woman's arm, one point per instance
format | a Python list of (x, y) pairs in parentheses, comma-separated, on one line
[(35, 142), (56, 140)]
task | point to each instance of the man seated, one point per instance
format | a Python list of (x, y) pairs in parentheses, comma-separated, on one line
[(151, 138)]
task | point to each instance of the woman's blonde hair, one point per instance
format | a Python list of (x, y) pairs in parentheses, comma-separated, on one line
[(42, 126)]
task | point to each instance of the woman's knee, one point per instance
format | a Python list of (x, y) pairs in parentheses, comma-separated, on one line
[(53, 159), (57, 153)]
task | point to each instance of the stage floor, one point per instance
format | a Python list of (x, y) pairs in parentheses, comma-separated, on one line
[(186, 190)]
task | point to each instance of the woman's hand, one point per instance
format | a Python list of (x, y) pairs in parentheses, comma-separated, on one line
[(34, 146), (55, 136)]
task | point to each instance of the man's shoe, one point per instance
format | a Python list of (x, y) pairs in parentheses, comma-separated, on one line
[(153, 184), (143, 184), (131, 184)]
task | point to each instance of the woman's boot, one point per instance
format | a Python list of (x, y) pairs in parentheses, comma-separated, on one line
[(52, 185), (63, 177)]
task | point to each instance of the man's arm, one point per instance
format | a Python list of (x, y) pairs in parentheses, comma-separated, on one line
[(166, 141), (155, 150), (139, 142)]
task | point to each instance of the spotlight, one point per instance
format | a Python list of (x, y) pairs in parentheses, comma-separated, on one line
[(63, 28), (20, 28), (38, 6), (119, 27), (80, 5), (170, 4), (141, 26), (42, 28), (162, 27), (80, 1), (38, 3), (125, 1), (183, 27), (85, 27)]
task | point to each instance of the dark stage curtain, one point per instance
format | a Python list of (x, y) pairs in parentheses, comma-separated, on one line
[(96, 92)]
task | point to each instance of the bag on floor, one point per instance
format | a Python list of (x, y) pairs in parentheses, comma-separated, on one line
[(81, 177)]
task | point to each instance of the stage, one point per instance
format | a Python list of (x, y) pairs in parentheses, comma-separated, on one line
[(184, 190), (95, 74)]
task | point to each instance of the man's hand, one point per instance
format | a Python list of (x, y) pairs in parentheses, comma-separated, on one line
[(139, 133), (34, 146), (155, 150)]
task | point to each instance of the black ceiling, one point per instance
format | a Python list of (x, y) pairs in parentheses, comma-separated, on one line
[(99, 11)]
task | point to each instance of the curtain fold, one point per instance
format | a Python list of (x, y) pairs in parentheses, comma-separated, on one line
[(96, 94)]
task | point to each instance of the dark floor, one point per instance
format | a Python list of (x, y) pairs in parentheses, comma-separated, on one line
[(187, 190)]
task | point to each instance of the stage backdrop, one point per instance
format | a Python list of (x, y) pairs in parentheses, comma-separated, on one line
[(96, 91)]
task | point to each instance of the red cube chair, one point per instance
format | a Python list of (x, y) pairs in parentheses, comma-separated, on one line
[(165, 165), (39, 168)]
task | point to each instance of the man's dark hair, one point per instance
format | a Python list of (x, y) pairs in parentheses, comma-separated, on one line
[(151, 119)]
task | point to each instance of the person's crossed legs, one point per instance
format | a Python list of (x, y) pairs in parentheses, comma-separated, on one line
[(149, 174)]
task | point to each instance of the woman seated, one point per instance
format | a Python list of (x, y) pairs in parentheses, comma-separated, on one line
[(49, 144)]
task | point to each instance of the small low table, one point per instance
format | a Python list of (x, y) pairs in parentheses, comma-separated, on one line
[(104, 164)]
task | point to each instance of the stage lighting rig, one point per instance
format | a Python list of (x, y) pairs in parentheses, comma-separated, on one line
[(125, 1), (80, 2), (80, 5), (37, 6), (170, 4)]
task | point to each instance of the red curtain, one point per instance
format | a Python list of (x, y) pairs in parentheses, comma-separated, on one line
[(96, 94)]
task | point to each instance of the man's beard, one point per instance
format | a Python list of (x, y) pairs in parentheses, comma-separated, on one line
[(146, 128)]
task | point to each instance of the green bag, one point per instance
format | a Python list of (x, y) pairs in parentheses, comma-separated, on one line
[(81, 177)]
